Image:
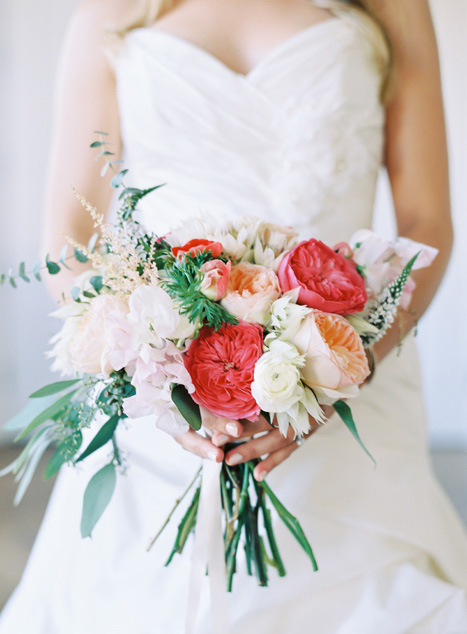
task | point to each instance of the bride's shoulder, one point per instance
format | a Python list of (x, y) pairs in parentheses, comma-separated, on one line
[(98, 14)]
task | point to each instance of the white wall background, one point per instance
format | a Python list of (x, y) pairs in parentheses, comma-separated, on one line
[(30, 36)]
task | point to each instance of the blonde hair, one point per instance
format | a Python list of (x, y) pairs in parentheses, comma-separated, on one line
[(149, 11)]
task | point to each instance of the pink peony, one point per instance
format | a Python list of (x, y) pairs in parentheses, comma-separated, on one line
[(216, 276), (221, 365), (251, 291), (326, 280)]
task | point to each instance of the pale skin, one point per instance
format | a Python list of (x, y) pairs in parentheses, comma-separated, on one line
[(240, 33)]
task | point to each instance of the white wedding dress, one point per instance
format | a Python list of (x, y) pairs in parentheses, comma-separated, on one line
[(297, 141)]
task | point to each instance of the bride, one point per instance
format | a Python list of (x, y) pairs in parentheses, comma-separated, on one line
[(282, 109)]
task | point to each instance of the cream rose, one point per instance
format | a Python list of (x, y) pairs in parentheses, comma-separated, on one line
[(251, 291)]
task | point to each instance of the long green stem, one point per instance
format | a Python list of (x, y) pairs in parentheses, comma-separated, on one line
[(289, 520), (186, 525), (174, 508)]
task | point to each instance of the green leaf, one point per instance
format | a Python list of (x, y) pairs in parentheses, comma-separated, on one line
[(345, 413), (79, 255), (54, 464), (11, 279), (88, 295), (22, 272), (96, 283), (105, 168), (97, 143), (47, 414), (2, 279), (117, 179), (100, 132), (30, 411), (102, 437), (52, 267), (53, 388), (186, 406), (75, 293), (36, 270), (97, 497)]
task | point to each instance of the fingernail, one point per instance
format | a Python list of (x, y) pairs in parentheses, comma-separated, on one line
[(221, 439), (235, 458), (260, 475), (212, 455), (232, 429)]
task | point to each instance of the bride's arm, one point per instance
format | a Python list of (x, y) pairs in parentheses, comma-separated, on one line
[(85, 101), (416, 159), (416, 153)]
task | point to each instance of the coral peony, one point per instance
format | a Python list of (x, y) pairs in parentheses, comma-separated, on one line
[(335, 361), (327, 280), (221, 365), (197, 246), (251, 291)]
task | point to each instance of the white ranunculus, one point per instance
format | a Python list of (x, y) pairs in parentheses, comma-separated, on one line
[(287, 315), (277, 385)]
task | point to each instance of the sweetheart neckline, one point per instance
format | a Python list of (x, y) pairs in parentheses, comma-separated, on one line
[(276, 51)]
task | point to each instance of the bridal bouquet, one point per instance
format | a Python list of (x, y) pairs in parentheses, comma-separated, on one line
[(237, 316)]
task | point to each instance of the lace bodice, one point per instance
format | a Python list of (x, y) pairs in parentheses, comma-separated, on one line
[(298, 140)]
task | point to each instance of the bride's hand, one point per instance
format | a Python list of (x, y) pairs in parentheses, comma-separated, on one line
[(224, 429), (273, 444)]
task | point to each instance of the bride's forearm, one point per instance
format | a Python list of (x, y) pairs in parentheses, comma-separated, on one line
[(427, 282)]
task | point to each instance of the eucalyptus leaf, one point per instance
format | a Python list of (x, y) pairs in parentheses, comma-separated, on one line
[(97, 143), (53, 388), (79, 255), (75, 293), (52, 267), (32, 409), (36, 270), (117, 179), (97, 497), (54, 464), (96, 282), (100, 132), (186, 406), (47, 414), (102, 437), (2, 279), (345, 413), (12, 281), (22, 272)]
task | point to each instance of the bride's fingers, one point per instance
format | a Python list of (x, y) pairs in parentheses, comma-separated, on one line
[(200, 446), (222, 425), (266, 444), (268, 464)]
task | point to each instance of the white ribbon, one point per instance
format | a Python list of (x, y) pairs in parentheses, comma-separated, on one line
[(208, 552)]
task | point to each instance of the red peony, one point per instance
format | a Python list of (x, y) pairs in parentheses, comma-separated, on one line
[(327, 280), (197, 246), (221, 365)]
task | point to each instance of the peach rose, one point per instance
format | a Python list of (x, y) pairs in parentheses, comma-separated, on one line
[(93, 341), (336, 363), (251, 291)]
